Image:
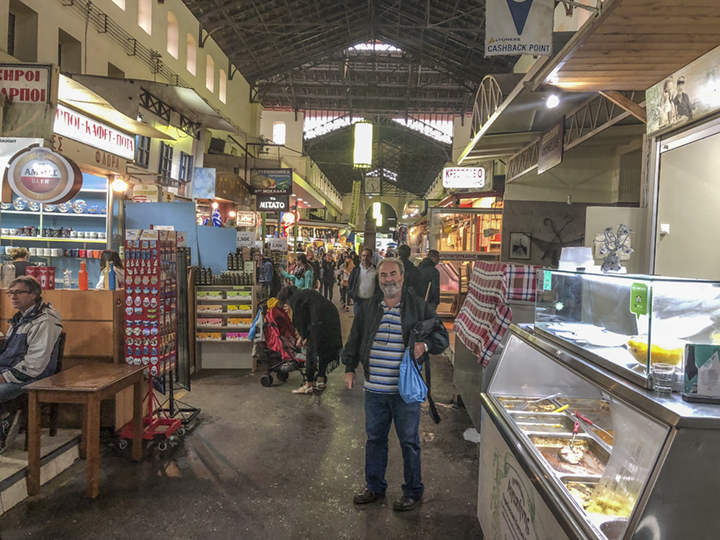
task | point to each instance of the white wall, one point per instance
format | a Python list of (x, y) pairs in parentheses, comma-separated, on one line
[(589, 173), (689, 202), (293, 127), (102, 49)]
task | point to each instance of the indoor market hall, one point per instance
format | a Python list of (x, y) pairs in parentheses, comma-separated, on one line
[(313, 269)]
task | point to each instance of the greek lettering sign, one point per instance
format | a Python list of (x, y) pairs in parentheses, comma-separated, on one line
[(464, 177), (509, 506), (517, 27), (77, 126), (551, 146), (271, 181), (246, 219), (272, 203), (40, 175), (355, 206), (26, 83)]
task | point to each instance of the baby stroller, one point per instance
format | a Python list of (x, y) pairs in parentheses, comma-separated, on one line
[(282, 356)]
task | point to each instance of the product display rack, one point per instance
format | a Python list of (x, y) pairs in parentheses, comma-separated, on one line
[(97, 196), (221, 344)]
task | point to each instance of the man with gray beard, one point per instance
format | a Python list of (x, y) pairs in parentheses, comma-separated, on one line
[(383, 328)]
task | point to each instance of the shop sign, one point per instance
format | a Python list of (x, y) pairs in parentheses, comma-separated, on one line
[(147, 193), (685, 96), (43, 176), (509, 506), (181, 239), (272, 203), (464, 177), (552, 142), (86, 155), (244, 239), (514, 27), (355, 206), (246, 219), (271, 181), (26, 83), (277, 244), (77, 126)]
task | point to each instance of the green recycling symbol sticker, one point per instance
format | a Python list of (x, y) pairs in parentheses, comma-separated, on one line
[(639, 298)]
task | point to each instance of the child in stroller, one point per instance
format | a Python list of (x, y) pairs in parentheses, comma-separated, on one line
[(282, 353)]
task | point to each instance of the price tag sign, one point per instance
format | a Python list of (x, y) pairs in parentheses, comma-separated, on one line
[(244, 239), (278, 244), (639, 299), (547, 280)]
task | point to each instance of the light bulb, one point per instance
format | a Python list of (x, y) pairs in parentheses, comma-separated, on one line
[(233, 214), (215, 205), (552, 101), (119, 185)]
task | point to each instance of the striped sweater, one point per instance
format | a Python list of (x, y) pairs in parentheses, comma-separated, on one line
[(386, 354)]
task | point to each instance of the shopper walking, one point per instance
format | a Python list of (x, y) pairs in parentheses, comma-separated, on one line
[(430, 278), (318, 324), (362, 284), (315, 265), (328, 276), (383, 328), (412, 276), (345, 273), (302, 276)]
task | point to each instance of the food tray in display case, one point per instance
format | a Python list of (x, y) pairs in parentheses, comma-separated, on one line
[(570, 450), (625, 323)]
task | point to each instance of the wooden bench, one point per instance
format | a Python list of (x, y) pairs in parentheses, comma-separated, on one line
[(87, 385)]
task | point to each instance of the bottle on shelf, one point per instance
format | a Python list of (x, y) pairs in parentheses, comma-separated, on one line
[(83, 277), (67, 279), (210, 276), (111, 284), (230, 261)]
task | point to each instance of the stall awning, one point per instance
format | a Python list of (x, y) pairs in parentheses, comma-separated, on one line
[(634, 44), (125, 95), (74, 94)]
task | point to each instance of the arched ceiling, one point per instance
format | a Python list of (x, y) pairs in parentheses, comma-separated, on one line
[(301, 55)]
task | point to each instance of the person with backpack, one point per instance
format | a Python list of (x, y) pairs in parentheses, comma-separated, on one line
[(430, 278)]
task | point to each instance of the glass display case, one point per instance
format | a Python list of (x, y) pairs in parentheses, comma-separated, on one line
[(625, 322), (572, 451), (470, 231)]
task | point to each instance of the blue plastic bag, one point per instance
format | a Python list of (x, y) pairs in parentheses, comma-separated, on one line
[(411, 385), (254, 327)]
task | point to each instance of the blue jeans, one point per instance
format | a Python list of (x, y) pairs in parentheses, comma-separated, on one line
[(380, 411), (9, 391)]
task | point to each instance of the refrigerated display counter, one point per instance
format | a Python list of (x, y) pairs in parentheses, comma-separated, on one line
[(571, 450)]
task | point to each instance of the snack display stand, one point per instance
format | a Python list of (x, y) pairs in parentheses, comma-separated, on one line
[(573, 444), (224, 316)]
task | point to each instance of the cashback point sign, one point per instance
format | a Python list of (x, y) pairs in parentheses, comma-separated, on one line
[(517, 27)]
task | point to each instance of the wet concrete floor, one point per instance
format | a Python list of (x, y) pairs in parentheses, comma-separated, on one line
[(262, 463)]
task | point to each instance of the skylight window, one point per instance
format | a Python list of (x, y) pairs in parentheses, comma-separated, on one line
[(386, 173), (374, 47), (320, 125), (440, 130)]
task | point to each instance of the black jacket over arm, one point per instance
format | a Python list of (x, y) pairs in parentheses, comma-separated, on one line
[(413, 310)]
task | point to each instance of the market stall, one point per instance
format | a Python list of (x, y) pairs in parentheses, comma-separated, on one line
[(573, 443)]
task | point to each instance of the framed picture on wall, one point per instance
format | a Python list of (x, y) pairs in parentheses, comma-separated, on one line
[(520, 245)]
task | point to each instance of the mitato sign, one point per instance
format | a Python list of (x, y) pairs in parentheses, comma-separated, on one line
[(81, 128), (40, 175), (272, 203), (464, 177)]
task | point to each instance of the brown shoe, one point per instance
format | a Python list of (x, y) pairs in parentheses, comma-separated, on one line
[(367, 496)]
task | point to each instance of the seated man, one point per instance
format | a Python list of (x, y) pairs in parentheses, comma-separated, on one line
[(28, 353)]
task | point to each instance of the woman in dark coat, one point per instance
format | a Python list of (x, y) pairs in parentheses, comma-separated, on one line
[(318, 322)]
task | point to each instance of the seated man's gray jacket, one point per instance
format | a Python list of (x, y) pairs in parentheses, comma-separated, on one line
[(29, 352)]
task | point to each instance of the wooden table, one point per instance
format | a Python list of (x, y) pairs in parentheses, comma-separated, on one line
[(87, 385)]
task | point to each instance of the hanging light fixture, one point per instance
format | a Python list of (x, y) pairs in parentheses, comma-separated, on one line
[(362, 153), (377, 213)]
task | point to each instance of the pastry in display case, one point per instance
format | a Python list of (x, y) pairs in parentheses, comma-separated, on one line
[(569, 447), (628, 323)]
